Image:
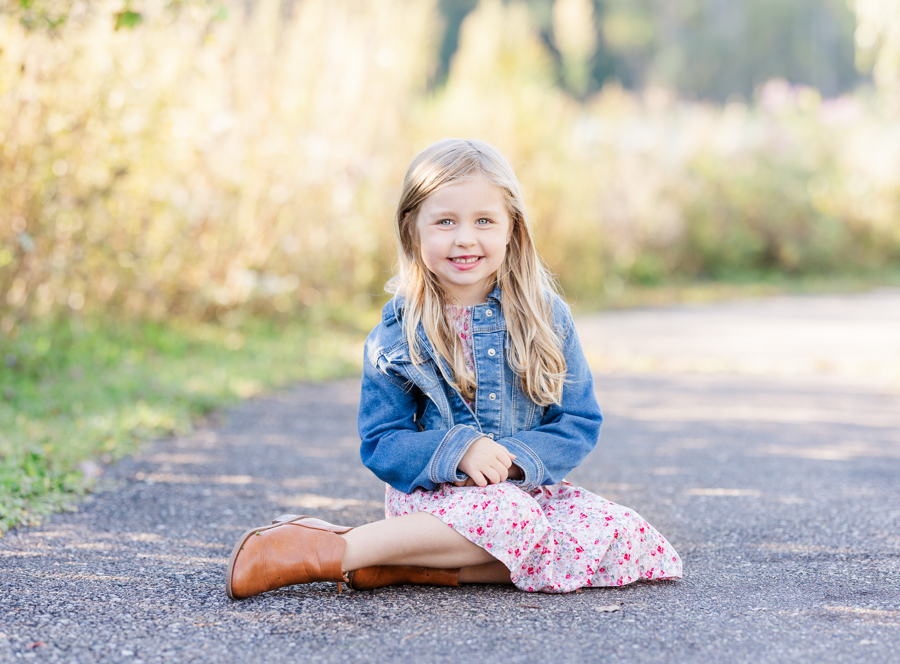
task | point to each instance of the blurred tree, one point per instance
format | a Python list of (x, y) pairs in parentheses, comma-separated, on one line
[(703, 48), (878, 42), (454, 11), (723, 47), (575, 36)]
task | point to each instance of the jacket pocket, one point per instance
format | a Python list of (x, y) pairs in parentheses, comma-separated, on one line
[(428, 417), (398, 363)]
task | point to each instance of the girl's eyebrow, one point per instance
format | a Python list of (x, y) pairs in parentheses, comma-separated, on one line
[(488, 212)]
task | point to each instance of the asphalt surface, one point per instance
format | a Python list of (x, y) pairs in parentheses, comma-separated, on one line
[(774, 472)]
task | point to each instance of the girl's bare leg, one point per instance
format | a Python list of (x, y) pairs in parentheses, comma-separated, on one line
[(423, 540)]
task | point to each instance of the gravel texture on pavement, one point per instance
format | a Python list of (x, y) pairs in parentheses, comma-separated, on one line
[(779, 487)]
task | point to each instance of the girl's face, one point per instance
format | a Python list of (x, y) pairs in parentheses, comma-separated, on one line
[(463, 232)]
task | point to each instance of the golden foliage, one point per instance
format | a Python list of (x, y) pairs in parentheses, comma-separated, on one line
[(194, 165)]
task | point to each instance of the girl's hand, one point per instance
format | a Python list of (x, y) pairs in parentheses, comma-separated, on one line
[(485, 462)]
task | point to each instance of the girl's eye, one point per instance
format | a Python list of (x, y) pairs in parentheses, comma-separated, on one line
[(445, 222), (483, 222)]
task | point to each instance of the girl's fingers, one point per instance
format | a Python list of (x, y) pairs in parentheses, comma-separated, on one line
[(492, 475), (478, 478)]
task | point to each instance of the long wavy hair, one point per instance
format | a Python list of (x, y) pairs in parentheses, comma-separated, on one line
[(534, 346)]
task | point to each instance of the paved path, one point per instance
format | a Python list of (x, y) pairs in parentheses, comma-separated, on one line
[(775, 474)]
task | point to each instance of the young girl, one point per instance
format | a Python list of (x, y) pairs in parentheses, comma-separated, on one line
[(476, 402)]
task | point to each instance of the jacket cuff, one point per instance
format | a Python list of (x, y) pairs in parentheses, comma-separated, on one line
[(528, 461), (445, 461)]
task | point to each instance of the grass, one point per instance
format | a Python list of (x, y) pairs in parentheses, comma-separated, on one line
[(78, 394)]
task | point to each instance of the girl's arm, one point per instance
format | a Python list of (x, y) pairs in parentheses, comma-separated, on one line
[(568, 431), (392, 446)]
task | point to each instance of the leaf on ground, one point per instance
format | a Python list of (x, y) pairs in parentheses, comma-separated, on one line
[(608, 609)]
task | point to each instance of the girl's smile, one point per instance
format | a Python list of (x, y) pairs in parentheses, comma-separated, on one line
[(465, 262), (463, 230)]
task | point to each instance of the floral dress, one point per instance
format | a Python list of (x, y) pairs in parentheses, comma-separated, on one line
[(553, 539)]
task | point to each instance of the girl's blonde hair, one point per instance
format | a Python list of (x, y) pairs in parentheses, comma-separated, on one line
[(534, 346)]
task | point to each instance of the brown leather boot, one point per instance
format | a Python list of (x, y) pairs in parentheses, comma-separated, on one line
[(379, 576), (300, 550)]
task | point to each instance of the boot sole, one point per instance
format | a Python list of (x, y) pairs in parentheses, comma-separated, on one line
[(311, 523)]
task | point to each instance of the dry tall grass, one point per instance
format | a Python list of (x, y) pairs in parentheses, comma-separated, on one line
[(195, 166)]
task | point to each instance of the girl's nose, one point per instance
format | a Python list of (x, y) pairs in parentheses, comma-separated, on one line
[(465, 236)]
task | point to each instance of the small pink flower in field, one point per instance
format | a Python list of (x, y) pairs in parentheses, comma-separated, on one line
[(627, 514), (568, 576), (627, 556), (602, 569), (674, 559)]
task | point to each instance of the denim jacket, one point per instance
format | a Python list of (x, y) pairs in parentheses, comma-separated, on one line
[(415, 428)]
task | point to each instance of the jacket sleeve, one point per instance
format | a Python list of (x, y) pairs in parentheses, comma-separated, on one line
[(569, 430), (392, 446)]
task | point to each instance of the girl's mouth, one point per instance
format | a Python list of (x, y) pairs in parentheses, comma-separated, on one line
[(465, 262)]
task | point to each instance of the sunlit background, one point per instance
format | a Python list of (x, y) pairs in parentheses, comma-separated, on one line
[(192, 158)]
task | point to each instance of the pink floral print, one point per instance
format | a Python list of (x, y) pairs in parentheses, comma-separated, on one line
[(553, 539), (460, 319)]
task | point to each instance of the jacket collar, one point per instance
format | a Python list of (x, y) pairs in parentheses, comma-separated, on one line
[(394, 308)]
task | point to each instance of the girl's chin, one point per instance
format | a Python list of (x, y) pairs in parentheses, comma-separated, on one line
[(463, 289)]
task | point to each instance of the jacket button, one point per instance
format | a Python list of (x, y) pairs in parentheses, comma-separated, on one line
[(489, 313), (492, 352), (492, 396), (491, 436)]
